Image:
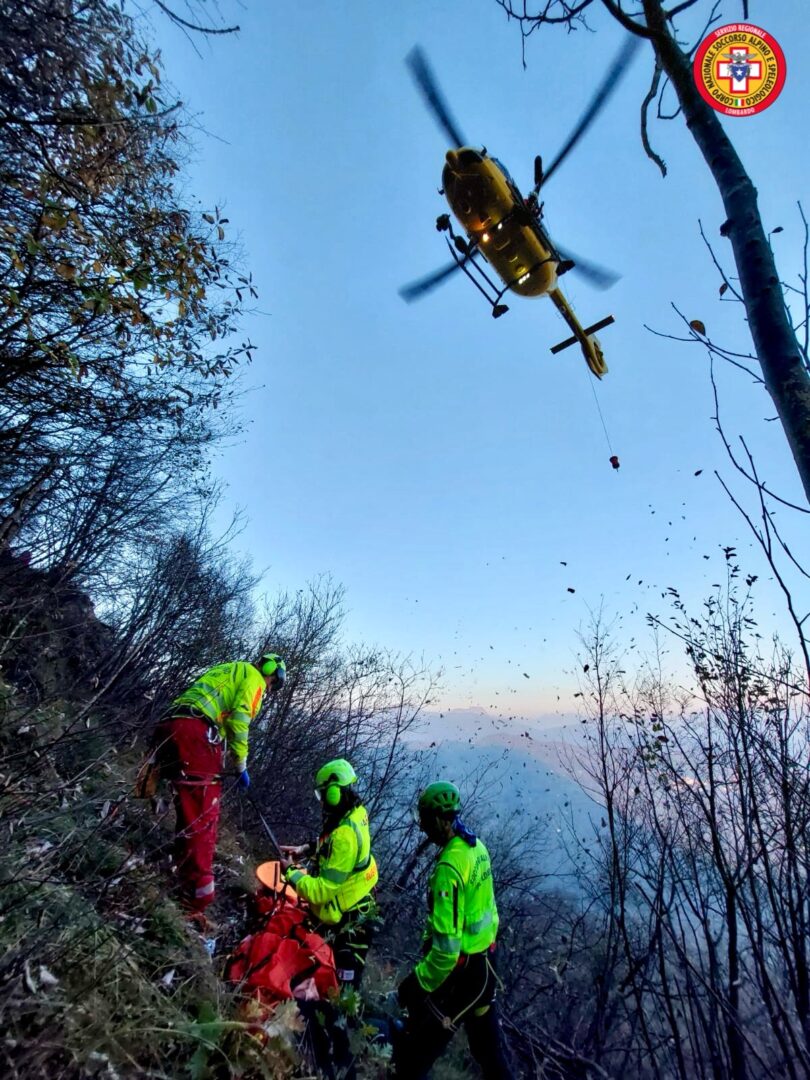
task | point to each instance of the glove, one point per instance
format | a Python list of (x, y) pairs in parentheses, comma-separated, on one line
[(244, 779), (410, 993)]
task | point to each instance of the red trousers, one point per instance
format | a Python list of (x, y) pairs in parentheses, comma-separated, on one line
[(190, 753)]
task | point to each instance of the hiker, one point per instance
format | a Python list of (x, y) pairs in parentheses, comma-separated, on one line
[(339, 885), (454, 983), (207, 720)]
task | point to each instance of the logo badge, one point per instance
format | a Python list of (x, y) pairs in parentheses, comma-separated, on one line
[(740, 69)]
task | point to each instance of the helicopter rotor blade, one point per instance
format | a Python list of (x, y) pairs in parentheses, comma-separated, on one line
[(601, 277), (428, 84), (600, 98), (423, 286)]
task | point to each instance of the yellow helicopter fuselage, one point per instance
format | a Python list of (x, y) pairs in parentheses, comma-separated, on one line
[(494, 215), (507, 231)]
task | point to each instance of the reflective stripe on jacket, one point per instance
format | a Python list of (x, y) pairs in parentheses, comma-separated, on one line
[(462, 915), (230, 695), (346, 870)]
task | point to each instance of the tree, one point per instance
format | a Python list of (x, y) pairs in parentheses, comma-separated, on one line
[(178, 605), (784, 368), (116, 299), (117, 307), (700, 860)]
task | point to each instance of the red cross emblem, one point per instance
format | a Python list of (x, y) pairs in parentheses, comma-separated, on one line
[(738, 66)]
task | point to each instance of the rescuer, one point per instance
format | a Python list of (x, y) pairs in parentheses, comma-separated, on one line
[(454, 983), (208, 720), (338, 886), (338, 890)]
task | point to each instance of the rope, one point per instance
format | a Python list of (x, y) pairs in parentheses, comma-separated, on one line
[(590, 379)]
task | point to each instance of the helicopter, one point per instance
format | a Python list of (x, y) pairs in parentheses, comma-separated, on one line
[(501, 226)]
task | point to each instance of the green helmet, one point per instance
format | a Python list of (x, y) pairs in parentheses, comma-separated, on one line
[(272, 664), (331, 778), (440, 797)]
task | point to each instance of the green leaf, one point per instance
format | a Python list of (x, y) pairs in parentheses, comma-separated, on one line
[(198, 1063)]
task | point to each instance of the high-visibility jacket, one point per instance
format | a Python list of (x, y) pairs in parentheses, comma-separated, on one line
[(462, 915), (229, 695), (345, 871)]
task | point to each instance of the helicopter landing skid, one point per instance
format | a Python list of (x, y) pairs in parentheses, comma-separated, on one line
[(467, 261)]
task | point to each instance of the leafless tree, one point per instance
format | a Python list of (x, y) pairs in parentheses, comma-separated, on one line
[(701, 860)]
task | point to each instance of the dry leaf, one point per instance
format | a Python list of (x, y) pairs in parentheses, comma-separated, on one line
[(698, 327), (47, 978), (285, 1023)]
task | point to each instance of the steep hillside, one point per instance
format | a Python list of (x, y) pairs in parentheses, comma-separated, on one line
[(102, 976)]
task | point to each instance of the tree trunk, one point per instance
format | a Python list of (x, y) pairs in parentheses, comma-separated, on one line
[(775, 341)]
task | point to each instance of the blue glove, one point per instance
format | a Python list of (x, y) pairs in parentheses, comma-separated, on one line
[(244, 779)]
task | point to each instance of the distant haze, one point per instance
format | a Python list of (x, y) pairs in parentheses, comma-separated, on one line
[(543, 737)]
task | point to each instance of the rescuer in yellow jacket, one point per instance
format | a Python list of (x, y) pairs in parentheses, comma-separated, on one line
[(339, 884), (189, 745), (338, 889), (454, 983)]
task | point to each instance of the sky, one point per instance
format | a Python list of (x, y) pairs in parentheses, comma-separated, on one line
[(445, 468)]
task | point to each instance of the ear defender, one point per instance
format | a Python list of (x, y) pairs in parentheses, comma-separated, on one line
[(332, 795)]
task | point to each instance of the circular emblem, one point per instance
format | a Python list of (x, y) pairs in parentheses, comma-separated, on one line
[(739, 69)]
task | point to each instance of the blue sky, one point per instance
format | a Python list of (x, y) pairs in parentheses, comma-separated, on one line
[(440, 465)]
